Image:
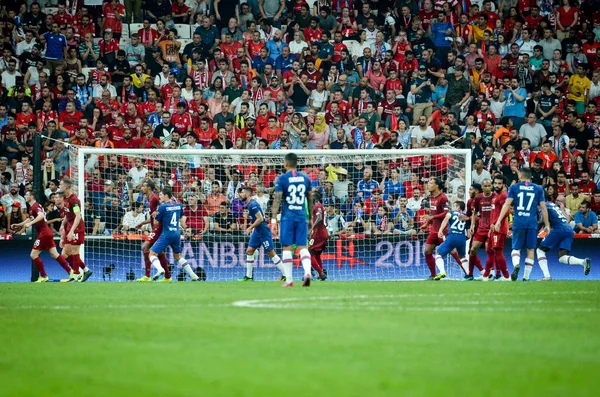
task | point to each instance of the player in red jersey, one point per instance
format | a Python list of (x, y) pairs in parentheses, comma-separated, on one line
[(480, 226), (74, 232), (498, 237), (148, 189), (318, 236), (45, 238), (474, 190), (439, 208)]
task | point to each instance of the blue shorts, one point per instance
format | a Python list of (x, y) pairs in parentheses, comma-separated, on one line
[(524, 238), (293, 231), (456, 242), (563, 238), (164, 241), (265, 240)]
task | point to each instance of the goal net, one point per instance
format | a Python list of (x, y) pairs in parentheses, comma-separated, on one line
[(376, 202)]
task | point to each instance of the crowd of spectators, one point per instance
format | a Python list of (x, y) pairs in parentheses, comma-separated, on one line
[(516, 80)]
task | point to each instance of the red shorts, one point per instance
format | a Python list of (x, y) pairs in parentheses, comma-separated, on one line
[(78, 238), (481, 236), (318, 242), (44, 242), (497, 240), (433, 239), (153, 236)]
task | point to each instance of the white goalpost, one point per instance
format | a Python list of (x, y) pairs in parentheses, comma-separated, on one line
[(374, 224)]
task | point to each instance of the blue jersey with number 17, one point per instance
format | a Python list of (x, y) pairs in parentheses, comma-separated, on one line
[(295, 187), (169, 214), (526, 197)]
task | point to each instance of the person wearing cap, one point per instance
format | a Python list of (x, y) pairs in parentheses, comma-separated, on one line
[(422, 89)]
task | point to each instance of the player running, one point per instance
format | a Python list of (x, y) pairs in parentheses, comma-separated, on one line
[(439, 209), (293, 188), (74, 232), (497, 238), (45, 238), (480, 226), (260, 235), (561, 235), (455, 220), (168, 215), (318, 236), (148, 188), (527, 196)]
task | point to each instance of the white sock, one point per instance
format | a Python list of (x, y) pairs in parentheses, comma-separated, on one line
[(305, 259), (571, 260), (439, 262), (464, 263), (85, 269), (277, 261), (156, 263), (249, 265), (543, 262), (287, 266), (516, 258), (528, 268), (188, 269)]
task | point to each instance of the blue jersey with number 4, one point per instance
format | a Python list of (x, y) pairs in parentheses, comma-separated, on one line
[(253, 210), (169, 214), (526, 197), (295, 187), (456, 225)]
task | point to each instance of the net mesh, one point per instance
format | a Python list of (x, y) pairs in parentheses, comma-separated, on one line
[(375, 204)]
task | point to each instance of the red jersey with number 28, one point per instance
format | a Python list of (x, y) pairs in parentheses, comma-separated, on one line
[(483, 206), (439, 208), (41, 227), (73, 205), (497, 204)]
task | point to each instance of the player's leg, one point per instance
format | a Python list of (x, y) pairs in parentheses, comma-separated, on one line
[(59, 258), (496, 242), (429, 258), (473, 258), (147, 264), (301, 239), (458, 260), (286, 238), (530, 244), (39, 264), (441, 252), (550, 241), (564, 248), (270, 248), (315, 262), (518, 243), (461, 252), (249, 263), (85, 272), (176, 246), (164, 263)]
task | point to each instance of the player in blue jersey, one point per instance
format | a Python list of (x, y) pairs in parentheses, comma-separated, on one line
[(169, 213), (526, 196), (261, 235), (560, 236), (292, 191), (455, 219)]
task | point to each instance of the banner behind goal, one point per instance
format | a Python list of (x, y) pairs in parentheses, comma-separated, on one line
[(375, 202)]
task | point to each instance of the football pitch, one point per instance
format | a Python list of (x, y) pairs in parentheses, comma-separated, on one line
[(332, 339)]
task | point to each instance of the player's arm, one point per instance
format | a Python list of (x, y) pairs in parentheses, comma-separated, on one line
[(310, 206), (504, 211), (473, 221), (276, 203), (258, 221), (444, 224), (544, 216)]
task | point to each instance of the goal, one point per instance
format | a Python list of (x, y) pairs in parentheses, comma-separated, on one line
[(375, 202)]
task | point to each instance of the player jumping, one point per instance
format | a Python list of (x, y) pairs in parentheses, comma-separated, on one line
[(261, 235), (497, 238), (45, 238), (439, 209), (74, 232), (293, 188), (168, 215), (527, 196), (456, 239), (561, 235), (318, 235), (148, 188), (480, 226)]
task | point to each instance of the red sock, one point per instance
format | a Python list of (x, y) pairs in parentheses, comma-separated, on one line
[(63, 263), (430, 264), (472, 261), (73, 263), (147, 263), (39, 265), (78, 262), (165, 265), (320, 261), (314, 262), (478, 263), (501, 262)]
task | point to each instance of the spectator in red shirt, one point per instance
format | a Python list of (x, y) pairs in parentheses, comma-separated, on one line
[(195, 216), (271, 132), (25, 117), (113, 13), (182, 119), (68, 121), (62, 17)]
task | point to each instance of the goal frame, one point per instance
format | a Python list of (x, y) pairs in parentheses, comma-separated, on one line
[(82, 152)]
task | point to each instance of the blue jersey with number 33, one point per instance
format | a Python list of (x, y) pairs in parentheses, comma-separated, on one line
[(295, 187), (526, 197), (169, 214)]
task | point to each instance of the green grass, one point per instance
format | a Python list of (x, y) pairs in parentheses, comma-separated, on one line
[(335, 339)]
